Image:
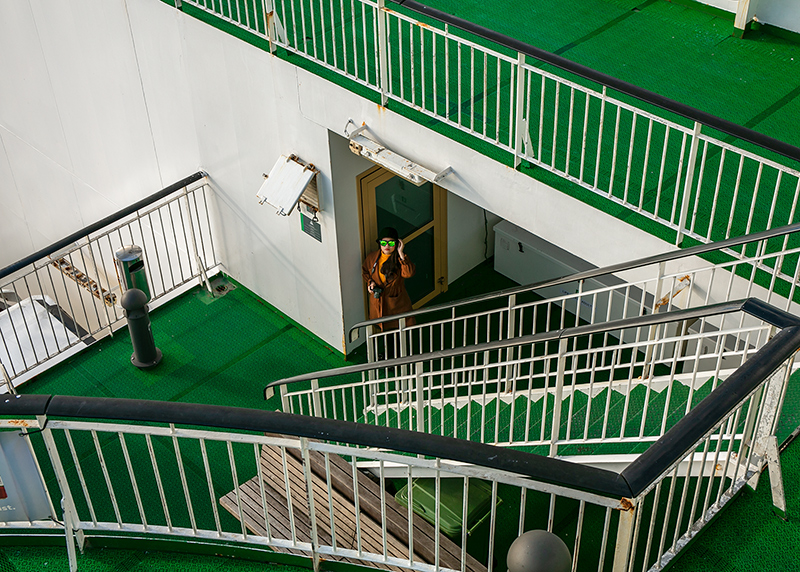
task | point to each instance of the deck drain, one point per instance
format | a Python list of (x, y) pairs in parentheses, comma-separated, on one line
[(219, 287)]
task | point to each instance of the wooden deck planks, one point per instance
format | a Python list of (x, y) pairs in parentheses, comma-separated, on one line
[(336, 500)]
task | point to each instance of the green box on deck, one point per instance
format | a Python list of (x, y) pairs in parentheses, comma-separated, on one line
[(451, 491)]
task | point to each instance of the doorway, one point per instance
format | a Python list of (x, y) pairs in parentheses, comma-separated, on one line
[(420, 216)]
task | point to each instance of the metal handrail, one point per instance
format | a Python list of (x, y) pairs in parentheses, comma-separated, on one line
[(593, 273), (631, 482), (549, 470), (110, 219), (675, 444), (665, 103), (752, 306)]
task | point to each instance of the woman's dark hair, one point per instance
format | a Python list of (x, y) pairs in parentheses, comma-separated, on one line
[(391, 267)]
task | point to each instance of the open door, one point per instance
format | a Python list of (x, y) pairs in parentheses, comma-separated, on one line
[(420, 216)]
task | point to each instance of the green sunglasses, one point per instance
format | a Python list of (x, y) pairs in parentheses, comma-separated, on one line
[(387, 243)]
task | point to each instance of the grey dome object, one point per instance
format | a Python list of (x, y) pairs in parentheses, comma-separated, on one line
[(539, 551), (133, 299)]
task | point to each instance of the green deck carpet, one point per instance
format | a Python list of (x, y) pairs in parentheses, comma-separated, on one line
[(748, 536), (41, 559)]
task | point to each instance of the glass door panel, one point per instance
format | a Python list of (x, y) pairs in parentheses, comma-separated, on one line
[(404, 206)]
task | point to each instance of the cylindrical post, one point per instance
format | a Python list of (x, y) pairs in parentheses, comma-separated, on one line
[(130, 265), (145, 353)]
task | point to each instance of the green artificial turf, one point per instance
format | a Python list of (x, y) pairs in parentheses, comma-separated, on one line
[(42, 558)]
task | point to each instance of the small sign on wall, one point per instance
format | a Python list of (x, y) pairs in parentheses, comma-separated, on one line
[(311, 227)]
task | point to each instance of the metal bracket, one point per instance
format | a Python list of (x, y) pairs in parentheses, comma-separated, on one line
[(442, 174), (775, 476), (364, 145)]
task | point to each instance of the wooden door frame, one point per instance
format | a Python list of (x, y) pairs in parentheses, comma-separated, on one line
[(368, 226)]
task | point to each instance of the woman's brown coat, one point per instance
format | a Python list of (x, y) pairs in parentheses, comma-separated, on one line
[(394, 299)]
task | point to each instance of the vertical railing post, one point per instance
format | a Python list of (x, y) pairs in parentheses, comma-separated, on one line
[(285, 403), (770, 406), (317, 405), (200, 265), (558, 396), (401, 332), (382, 51), (7, 380), (371, 358), (370, 330), (420, 389), (687, 187), (520, 123), (403, 353), (269, 23), (622, 547), (651, 336), (71, 520), (511, 373), (311, 512)]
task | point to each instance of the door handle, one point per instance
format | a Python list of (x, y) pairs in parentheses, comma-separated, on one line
[(441, 281)]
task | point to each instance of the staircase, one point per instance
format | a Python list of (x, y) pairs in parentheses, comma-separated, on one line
[(609, 396)]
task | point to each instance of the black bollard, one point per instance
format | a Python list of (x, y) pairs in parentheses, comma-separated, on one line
[(145, 353)]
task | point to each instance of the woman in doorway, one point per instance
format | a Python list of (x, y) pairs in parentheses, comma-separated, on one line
[(385, 272)]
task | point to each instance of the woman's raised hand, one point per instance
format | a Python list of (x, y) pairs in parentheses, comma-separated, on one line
[(400, 247)]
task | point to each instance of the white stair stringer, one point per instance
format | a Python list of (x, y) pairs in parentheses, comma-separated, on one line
[(701, 463), (657, 384)]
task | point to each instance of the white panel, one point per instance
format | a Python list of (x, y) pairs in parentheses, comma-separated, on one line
[(9, 195), (15, 239), (286, 181), (45, 191), (466, 233), (159, 50), (101, 103), (211, 101), (28, 106), (245, 104), (782, 13), (94, 205), (727, 5)]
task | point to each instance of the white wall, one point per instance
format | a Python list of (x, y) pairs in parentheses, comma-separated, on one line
[(106, 101), (466, 232), (781, 13), (727, 5), (346, 166)]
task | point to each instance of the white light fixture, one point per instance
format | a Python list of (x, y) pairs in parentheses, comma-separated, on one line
[(290, 181), (365, 146)]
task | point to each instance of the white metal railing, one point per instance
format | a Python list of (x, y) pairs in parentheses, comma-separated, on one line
[(565, 393), (648, 160), (55, 304), (672, 509), (114, 476), (764, 266), (168, 481)]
